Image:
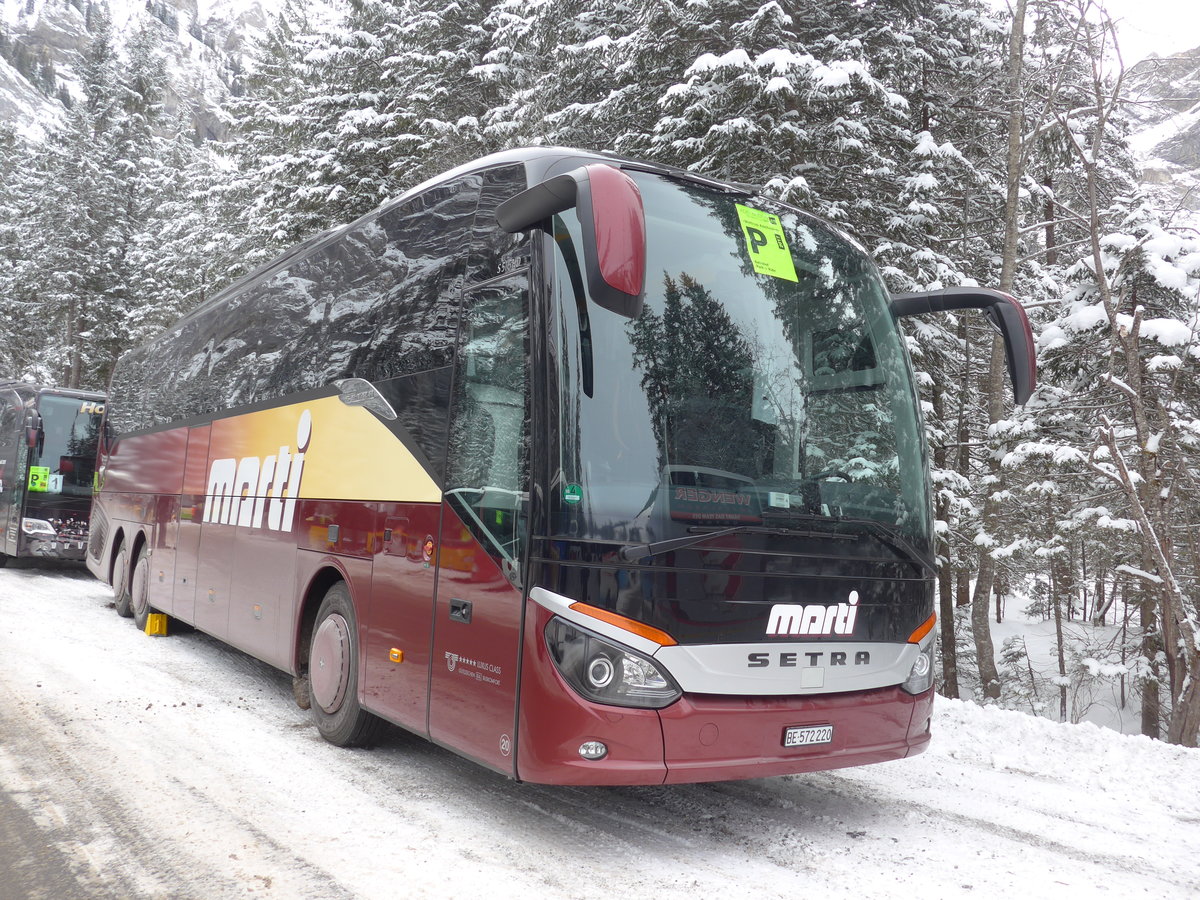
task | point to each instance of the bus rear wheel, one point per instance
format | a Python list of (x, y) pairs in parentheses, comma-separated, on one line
[(121, 582), (333, 673), (139, 594)]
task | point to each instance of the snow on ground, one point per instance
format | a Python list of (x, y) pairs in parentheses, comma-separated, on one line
[(1098, 700), (177, 767)]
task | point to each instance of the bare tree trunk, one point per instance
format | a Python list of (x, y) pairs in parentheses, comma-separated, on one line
[(963, 436), (1062, 658), (71, 375), (1083, 581), (989, 677), (1146, 483), (962, 588), (1051, 215), (981, 628), (949, 651), (1124, 637), (1151, 708), (1185, 713), (1104, 600), (946, 623)]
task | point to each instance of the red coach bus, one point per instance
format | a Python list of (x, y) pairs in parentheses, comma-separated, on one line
[(590, 470), (48, 439)]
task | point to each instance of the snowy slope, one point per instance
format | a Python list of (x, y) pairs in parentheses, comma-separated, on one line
[(176, 767), (23, 107), (1164, 96), (204, 43)]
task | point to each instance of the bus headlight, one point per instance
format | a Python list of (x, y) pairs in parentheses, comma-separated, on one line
[(607, 672), (34, 527), (920, 677)]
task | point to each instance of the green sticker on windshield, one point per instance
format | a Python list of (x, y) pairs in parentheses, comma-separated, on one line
[(39, 479), (572, 493), (769, 252)]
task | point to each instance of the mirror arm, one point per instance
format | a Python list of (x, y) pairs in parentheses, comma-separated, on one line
[(539, 202), (1005, 313)]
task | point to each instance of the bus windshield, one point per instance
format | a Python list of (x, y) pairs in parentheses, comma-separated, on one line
[(65, 456), (764, 383)]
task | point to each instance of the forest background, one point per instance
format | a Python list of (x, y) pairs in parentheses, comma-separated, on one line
[(962, 143)]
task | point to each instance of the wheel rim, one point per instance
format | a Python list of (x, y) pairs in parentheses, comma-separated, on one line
[(139, 590), (329, 663), (119, 573)]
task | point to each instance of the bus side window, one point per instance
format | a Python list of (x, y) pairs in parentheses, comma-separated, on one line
[(495, 252), (11, 435), (488, 454), (130, 406), (398, 314), (378, 301)]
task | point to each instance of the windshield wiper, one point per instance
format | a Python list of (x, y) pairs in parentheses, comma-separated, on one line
[(886, 534), (640, 551), (883, 532)]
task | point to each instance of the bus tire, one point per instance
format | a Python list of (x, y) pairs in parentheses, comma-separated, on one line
[(121, 582), (333, 673), (139, 590)]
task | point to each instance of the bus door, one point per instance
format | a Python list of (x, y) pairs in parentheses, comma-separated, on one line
[(477, 614), (191, 514), (396, 683)]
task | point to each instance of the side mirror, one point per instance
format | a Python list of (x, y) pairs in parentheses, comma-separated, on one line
[(1006, 314), (614, 229), (33, 429)]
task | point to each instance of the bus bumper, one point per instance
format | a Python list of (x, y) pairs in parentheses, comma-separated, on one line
[(73, 548), (726, 738), (702, 737)]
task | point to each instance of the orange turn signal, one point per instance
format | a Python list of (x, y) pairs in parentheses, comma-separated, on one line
[(631, 625), (923, 629), (396, 656)]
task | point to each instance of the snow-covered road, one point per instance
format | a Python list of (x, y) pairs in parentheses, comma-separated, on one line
[(177, 767)]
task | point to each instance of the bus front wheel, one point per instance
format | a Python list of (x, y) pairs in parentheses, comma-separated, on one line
[(121, 582), (333, 673)]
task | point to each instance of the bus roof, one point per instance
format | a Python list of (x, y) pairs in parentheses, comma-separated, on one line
[(538, 161), (30, 388)]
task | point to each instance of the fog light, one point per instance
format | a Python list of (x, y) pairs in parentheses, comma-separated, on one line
[(593, 750)]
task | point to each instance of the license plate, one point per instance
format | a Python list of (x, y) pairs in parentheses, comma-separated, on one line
[(806, 735)]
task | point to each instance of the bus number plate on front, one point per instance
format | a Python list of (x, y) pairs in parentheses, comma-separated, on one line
[(805, 735)]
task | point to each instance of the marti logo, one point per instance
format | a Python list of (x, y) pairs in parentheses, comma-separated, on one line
[(254, 492), (815, 619)]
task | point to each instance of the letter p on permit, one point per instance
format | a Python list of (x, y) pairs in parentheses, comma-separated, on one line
[(756, 239)]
